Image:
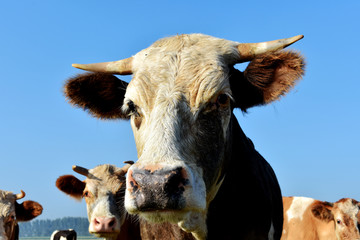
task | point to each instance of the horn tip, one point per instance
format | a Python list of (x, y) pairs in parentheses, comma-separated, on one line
[(76, 65), (20, 195), (300, 36), (297, 38), (129, 162)]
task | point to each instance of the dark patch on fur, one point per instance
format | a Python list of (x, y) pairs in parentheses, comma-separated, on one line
[(70, 185), (99, 93), (322, 211)]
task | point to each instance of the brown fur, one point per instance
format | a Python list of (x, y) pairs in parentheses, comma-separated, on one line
[(27, 210), (71, 186), (101, 94), (168, 231), (322, 210), (267, 78), (318, 220)]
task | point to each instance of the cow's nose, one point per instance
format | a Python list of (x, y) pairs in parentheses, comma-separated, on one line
[(159, 188), (104, 224)]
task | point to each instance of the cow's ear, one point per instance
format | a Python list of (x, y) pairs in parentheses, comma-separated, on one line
[(266, 78), (71, 186), (27, 210), (322, 211), (99, 93)]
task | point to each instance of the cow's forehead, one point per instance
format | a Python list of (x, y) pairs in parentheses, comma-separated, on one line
[(346, 206), (103, 177), (7, 200), (195, 65)]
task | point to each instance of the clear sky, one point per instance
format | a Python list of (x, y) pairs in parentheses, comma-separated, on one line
[(310, 137)]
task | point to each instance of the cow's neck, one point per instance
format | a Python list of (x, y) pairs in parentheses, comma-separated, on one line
[(249, 187)]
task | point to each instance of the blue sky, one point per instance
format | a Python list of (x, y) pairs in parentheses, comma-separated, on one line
[(310, 137)]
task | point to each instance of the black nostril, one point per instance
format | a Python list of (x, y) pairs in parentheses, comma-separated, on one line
[(166, 181), (112, 223), (176, 182)]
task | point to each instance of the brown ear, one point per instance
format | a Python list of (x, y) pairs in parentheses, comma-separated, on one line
[(100, 93), (322, 211), (27, 210), (266, 78), (71, 186)]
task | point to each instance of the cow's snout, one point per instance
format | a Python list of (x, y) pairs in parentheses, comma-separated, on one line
[(104, 224), (157, 188)]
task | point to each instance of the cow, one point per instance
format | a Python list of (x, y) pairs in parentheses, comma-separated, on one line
[(64, 235), (307, 218), (103, 190), (193, 157), (12, 212)]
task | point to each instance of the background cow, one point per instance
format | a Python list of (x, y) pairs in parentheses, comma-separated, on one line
[(103, 190), (193, 157), (64, 235), (307, 218), (12, 212)]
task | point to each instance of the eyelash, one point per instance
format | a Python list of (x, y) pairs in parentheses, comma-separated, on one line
[(131, 109)]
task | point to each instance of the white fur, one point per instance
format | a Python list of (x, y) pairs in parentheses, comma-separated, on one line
[(271, 232), (298, 207)]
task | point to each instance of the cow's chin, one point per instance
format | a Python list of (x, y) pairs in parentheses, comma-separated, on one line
[(106, 235), (192, 221)]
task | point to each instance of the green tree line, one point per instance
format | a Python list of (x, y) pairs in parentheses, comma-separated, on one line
[(44, 228)]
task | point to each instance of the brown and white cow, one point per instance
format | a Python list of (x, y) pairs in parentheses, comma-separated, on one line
[(103, 190), (12, 212), (193, 157), (307, 218)]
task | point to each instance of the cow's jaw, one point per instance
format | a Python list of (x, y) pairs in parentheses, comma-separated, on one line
[(2, 231)]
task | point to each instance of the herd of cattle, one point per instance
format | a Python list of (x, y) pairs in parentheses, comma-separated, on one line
[(197, 175)]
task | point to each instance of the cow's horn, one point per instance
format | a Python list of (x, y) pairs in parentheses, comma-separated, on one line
[(249, 51), (122, 171), (122, 67), (127, 166), (81, 170), (20, 195)]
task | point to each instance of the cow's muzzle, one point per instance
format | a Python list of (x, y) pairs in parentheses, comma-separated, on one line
[(157, 188)]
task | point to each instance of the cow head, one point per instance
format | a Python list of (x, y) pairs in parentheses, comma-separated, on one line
[(12, 212), (344, 213), (103, 190), (180, 103)]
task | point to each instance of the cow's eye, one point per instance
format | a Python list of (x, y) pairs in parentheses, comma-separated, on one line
[(86, 194), (134, 112), (132, 109), (10, 218), (338, 221), (223, 99)]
